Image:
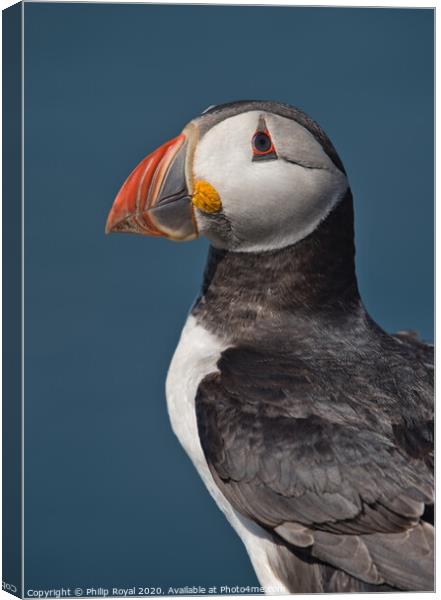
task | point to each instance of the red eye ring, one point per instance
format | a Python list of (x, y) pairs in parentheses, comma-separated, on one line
[(262, 143)]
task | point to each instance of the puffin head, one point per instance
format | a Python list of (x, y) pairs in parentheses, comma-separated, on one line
[(250, 176)]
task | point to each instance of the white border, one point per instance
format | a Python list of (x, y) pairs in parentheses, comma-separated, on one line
[(306, 3)]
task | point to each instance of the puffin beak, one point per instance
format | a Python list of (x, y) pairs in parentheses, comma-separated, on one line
[(154, 199)]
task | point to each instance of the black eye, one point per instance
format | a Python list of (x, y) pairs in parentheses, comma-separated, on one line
[(262, 142)]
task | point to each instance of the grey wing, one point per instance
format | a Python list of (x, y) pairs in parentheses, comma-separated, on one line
[(337, 492), (415, 432)]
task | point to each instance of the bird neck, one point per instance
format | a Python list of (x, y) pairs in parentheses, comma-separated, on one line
[(311, 280)]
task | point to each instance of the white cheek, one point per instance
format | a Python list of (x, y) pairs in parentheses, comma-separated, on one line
[(282, 204), (225, 150), (270, 203)]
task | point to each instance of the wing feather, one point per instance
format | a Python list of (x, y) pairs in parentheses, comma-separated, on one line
[(320, 463)]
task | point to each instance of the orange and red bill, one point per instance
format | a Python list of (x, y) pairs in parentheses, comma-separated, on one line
[(154, 200)]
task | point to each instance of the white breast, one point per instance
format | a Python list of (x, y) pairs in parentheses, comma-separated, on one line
[(195, 357)]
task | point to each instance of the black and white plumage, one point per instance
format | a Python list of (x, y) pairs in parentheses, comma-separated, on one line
[(311, 426)]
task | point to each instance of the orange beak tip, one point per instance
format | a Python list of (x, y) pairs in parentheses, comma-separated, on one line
[(144, 205)]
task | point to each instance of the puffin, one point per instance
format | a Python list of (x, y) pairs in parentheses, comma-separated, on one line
[(311, 427)]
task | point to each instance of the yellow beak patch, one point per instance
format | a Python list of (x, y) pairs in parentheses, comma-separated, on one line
[(206, 197)]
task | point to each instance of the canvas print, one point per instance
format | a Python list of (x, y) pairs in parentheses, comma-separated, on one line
[(239, 398)]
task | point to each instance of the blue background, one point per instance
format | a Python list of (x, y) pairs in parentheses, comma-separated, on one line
[(111, 499)]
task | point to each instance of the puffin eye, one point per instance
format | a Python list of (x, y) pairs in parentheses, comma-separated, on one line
[(262, 142), (263, 147)]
